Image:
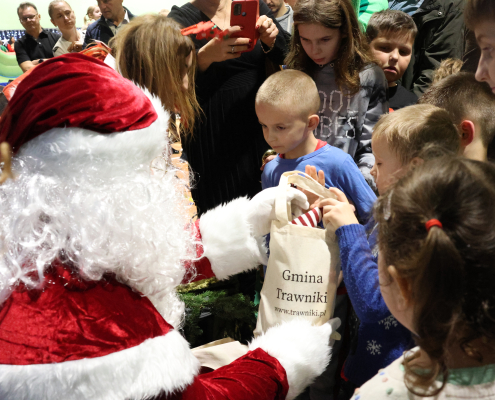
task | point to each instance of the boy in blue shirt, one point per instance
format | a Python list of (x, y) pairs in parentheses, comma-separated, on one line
[(287, 105)]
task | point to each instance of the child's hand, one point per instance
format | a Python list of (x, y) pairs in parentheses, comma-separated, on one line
[(337, 212), (320, 178)]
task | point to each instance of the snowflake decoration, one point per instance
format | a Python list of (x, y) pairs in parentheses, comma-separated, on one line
[(373, 347), (388, 322)]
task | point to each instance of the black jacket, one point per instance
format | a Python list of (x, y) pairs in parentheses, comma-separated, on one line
[(99, 30), (440, 35)]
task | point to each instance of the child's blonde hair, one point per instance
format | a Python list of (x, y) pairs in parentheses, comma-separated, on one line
[(447, 67), (410, 130), (291, 90), (158, 65), (89, 15), (353, 54), (449, 269)]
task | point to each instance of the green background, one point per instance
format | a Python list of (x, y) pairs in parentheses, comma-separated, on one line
[(9, 19)]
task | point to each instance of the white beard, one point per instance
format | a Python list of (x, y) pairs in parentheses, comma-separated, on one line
[(90, 198)]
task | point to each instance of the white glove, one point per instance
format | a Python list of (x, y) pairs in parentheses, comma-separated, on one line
[(302, 349), (261, 209)]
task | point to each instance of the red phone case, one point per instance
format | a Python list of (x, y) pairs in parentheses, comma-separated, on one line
[(245, 13)]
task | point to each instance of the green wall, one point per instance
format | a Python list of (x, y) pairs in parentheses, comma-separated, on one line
[(9, 19)]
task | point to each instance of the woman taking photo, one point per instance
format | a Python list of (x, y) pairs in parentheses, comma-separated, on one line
[(226, 151)]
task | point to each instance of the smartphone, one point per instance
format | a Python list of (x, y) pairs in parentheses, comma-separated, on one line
[(245, 13)]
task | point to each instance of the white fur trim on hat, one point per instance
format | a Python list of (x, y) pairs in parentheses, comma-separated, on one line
[(80, 147), (164, 363), (228, 241)]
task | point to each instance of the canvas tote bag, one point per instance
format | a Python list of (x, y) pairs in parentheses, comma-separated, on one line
[(302, 275)]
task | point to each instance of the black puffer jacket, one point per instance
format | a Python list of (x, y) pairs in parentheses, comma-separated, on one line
[(440, 35)]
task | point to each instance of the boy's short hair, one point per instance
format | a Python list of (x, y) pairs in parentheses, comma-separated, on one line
[(463, 97), (447, 67), (412, 129), (391, 22), (290, 89)]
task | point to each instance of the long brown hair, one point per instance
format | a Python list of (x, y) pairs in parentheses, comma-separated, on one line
[(477, 11), (354, 53), (151, 52), (449, 269)]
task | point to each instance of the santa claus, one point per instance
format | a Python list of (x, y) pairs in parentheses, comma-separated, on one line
[(93, 246)]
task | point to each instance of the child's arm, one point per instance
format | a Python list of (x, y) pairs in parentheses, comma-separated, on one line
[(358, 264)]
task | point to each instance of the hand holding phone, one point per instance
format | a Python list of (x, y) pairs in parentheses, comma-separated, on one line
[(218, 50), (245, 14)]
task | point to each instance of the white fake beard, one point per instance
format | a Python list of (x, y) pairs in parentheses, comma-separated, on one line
[(92, 200)]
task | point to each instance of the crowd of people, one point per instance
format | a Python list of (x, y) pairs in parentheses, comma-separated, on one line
[(389, 105)]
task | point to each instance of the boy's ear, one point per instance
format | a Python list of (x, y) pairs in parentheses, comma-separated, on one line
[(313, 122), (467, 132)]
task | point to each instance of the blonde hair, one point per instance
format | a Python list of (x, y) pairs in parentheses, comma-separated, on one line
[(292, 90), (447, 67), (52, 5), (89, 15), (410, 130), (158, 65)]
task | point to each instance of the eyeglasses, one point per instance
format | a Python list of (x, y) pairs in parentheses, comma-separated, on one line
[(28, 18)]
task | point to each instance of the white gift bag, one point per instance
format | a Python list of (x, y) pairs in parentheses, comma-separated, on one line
[(302, 275)]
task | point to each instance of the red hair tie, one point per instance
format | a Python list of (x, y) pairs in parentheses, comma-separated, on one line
[(433, 222)]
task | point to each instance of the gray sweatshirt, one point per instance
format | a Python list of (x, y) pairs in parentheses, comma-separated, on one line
[(287, 19), (346, 121)]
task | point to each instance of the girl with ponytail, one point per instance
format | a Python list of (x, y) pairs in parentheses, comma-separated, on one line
[(436, 269)]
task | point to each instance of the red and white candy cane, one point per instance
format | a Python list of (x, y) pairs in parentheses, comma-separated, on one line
[(311, 218)]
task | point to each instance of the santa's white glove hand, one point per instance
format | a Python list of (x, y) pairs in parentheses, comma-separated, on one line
[(261, 209), (302, 349)]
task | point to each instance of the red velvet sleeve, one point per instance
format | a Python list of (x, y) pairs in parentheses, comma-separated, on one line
[(256, 375), (201, 267)]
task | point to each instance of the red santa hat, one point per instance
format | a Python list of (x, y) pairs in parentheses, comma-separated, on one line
[(74, 91)]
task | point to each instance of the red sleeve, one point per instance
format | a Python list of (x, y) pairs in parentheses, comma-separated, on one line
[(201, 266), (256, 375)]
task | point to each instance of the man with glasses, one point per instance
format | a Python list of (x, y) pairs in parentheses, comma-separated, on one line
[(113, 16), (37, 44)]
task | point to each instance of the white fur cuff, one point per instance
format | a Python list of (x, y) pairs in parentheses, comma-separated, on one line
[(302, 349), (228, 240)]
